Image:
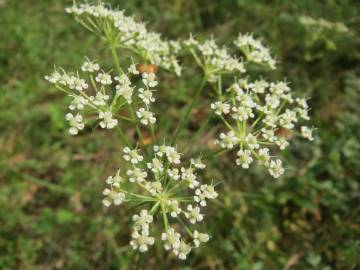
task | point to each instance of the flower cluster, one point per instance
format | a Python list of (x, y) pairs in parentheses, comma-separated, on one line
[(254, 50), (94, 91), (124, 32), (255, 113), (318, 25), (213, 59), (169, 190)]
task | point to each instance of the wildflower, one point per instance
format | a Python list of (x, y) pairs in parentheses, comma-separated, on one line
[(172, 155), (155, 165), (126, 91), (174, 174), (220, 108), (99, 99), (189, 176), (54, 78), (107, 120), (141, 240), (75, 122), (78, 103), (146, 96), (275, 168), (115, 181), (142, 220), (77, 83), (264, 155), (244, 159), (145, 116), (306, 132), (197, 163), (136, 175), (103, 78), (200, 238), (112, 197), (254, 50), (228, 140), (171, 239), (193, 214), (203, 193), (149, 79), (159, 180), (132, 69), (132, 155), (174, 208), (182, 250), (89, 66)]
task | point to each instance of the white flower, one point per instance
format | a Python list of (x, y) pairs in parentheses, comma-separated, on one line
[(132, 69), (272, 100), (275, 168), (242, 113), (160, 150), (149, 79), (244, 159), (112, 197), (77, 83), (203, 193), (259, 86), (268, 134), (193, 214), (78, 103), (156, 165), (282, 143), (154, 187), (200, 238), (306, 132), (103, 78), (264, 155), (115, 181), (124, 88), (182, 251), (142, 221), (174, 173), (141, 241), (254, 50), (189, 176), (302, 102), (107, 120), (174, 208), (99, 99), (228, 140), (75, 122), (89, 66), (132, 155), (55, 77), (146, 96), (172, 155), (171, 239), (145, 116), (220, 107), (251, 141), (197, 163), (136, 175)]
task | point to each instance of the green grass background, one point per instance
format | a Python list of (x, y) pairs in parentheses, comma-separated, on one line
[(51, 216)]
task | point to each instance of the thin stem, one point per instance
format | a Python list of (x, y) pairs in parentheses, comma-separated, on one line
[(166, 222), (185, 118), (122, 136), (116, 60)]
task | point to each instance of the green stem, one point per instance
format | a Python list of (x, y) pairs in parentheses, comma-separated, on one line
[(123, 137), (185, 118)]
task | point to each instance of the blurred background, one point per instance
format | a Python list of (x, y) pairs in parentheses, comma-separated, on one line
[(51, 216)]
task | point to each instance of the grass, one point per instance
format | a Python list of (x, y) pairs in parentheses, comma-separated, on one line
[(51, 215)]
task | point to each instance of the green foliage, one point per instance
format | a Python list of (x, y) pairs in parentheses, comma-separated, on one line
[(51, 215)]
